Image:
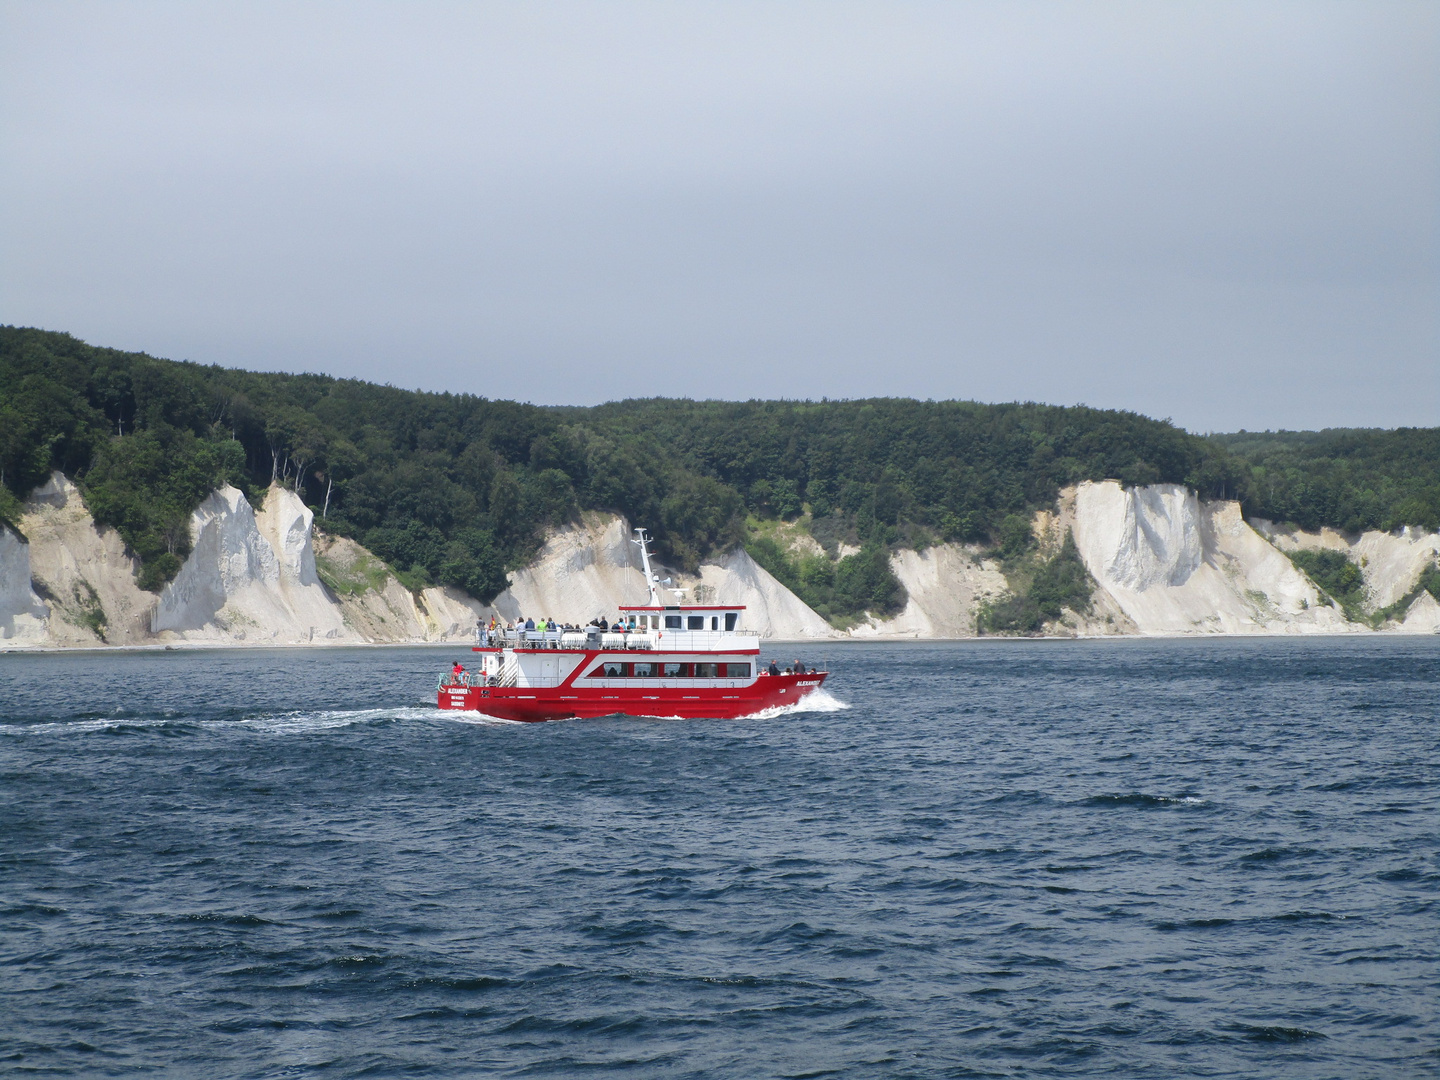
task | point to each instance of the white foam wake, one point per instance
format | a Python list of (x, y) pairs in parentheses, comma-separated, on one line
[(83, 727), (302, 721), (817, 701), (299, 722)]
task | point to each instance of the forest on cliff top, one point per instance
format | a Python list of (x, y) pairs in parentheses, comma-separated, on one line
[(456, 489)]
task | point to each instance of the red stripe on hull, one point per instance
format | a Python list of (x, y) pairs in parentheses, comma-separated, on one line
[(686, 703)]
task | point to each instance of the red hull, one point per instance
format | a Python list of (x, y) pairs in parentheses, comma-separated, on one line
[(686, 703)]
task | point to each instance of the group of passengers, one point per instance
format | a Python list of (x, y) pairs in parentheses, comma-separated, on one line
[(531, 625), (541, 625), (797, 668), (495, 629)]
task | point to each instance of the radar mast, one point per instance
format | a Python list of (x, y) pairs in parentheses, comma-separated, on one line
[(651, 579)]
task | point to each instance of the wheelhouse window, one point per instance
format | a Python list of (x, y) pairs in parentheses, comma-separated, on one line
[(676, 671), (731, 618), (695, 622), (737, 671), (672, 622), (714, 622)]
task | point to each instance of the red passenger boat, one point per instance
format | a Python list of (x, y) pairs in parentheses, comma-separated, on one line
[(678, 660)]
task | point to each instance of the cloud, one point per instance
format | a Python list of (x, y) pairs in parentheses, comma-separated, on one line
[(1224, 213)]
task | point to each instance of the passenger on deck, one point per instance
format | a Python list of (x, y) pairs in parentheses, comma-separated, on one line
[(530, 624), (456, 672), (773, 669)]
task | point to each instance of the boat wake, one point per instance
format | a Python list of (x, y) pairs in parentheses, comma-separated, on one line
[(306, 722), (460, 716), (299, 722), (817, 701)]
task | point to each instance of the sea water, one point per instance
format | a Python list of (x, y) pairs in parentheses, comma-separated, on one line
[(994, 858)]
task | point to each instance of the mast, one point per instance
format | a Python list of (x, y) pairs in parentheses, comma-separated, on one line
[(650, 579)]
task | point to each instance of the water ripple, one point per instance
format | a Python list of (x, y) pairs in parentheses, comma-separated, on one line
[(1148, 859)]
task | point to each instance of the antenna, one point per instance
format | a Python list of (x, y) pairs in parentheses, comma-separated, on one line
[(650, 579)]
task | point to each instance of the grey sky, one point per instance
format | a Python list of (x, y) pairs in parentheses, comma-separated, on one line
[(1221, 213)]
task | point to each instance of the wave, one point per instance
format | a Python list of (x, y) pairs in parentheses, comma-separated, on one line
[(817, 701), (298, 722), (1140, 799), (301, 722), (104, 725), (465, 716)]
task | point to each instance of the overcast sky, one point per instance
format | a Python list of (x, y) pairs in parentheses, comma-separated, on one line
[(1221, 213)]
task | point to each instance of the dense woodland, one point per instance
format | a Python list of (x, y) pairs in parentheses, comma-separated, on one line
[(455, 489)]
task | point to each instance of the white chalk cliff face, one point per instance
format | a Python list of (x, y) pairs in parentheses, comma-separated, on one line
[(590, 569), (771, 610), (376, 606), (23, 617), (583, 571), (1165, 563), (1390, 562), (85, 570), (945, 586), (1176, 566), (250, 577), (1422, 616)]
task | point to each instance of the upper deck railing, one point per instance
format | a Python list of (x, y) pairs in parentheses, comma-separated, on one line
[(650, 640)]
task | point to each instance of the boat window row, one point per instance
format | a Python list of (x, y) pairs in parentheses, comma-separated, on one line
[(683, 622), (616, 669)]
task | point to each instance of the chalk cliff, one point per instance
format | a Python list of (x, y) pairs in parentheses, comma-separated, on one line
[(375, 605), (591, 568), (945, 586), (771, 609), (1390, 562), (85, 571), (1164, 563), (250, 577), (1175, 565), (24, 618)]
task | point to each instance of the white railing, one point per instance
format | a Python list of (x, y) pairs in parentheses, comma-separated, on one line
[(650, 640), (631, 683), (707, 640)]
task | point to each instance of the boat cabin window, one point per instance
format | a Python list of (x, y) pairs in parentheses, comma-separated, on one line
[(672, 622), (695, 622), (609, 670), (737, 671), (676, 671), (731, 618), (645, 671), (706, 671)]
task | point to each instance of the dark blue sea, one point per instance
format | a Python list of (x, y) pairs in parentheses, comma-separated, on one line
[(1036, 859)]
